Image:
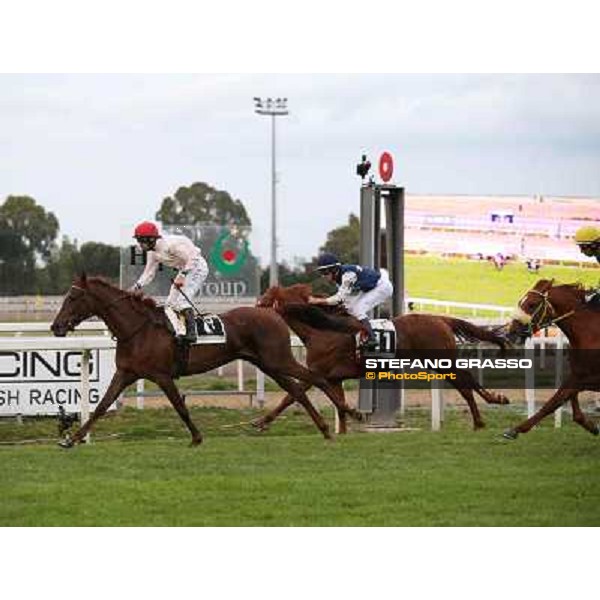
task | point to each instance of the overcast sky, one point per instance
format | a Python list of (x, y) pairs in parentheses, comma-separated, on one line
[(102, 151)]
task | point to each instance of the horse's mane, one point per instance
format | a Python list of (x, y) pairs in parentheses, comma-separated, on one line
[(304, 290), (314, 316), (292, 302), (138, 297), (577, 287)]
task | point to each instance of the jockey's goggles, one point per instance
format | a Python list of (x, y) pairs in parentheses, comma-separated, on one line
[(144, 239), (327, 270)]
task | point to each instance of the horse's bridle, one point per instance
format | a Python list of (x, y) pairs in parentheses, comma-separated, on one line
[(123, 296), (539, 319)]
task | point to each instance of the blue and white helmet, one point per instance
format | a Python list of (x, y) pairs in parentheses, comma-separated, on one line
[(327, 261)]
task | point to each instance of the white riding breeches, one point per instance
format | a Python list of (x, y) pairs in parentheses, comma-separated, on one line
[(193, 281), (360, 304)]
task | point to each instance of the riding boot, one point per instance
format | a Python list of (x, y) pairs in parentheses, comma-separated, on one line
[(370, 342), (190, 325)]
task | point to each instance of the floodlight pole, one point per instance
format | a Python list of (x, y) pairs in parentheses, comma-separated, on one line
[(273, 108)]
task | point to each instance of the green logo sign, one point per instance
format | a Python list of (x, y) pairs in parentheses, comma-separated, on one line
[(228, 254)]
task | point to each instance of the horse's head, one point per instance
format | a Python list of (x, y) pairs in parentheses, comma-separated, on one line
[(270, 298), (277, 296), (77, 306), (543, 305)]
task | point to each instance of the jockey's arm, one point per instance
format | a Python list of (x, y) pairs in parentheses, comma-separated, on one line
[(149, 272), (344, 290)]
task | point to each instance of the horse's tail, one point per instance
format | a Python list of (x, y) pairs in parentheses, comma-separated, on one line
[(467, 332), (319, 319)]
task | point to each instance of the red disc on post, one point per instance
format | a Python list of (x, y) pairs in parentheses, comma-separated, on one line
[(386, 166)]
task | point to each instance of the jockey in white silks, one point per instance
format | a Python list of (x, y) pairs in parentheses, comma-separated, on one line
[(360, 289), (178, 252)]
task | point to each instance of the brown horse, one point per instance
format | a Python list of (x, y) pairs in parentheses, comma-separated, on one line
[(332, 354), (547, 304), (147, 349)]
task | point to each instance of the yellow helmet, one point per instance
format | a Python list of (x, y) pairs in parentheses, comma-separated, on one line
[(587, 235)]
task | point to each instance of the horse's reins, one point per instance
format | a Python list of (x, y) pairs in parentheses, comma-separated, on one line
[(110, 305), (545, 306)]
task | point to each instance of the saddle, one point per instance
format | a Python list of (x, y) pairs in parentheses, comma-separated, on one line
[(385, 335), (209, 329)]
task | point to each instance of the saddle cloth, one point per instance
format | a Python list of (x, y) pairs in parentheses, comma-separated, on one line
[(209, 324), (385, 334), (209, 329)]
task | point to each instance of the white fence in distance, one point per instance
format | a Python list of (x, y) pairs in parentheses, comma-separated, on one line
[(16, 341)]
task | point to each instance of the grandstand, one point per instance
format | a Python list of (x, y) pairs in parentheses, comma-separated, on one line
[(521, 227)]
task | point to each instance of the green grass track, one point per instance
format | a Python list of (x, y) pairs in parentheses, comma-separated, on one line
[(291, 476)]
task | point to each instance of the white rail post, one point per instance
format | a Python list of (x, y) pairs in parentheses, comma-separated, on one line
[(543, 350), (436, 407), (530, 380), (260, 388), (139, 401), (558, 373), (402, 410), (85, 390), (240, 375)]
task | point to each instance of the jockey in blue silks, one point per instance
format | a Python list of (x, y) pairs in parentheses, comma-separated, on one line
[(360, 289)]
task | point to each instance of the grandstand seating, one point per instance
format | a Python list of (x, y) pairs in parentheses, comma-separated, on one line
[(520, 227)]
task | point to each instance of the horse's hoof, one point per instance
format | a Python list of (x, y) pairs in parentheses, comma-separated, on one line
[(259, 425), (510, 434), (504, 400), (195, 442), (66, 443)]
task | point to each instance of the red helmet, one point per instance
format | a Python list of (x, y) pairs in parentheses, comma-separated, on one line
[(146, 230)]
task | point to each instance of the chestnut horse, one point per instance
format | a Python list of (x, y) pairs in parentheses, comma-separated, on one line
[(564, 305), (332, 354), (147, 349)]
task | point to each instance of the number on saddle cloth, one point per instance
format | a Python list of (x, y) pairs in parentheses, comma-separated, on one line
[(385, 335), (209, 325)]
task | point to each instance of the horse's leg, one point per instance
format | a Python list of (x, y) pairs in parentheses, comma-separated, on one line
[(335, 391), (262, 423), (581, 419), (489, 396), (120, 380), (295, 390), (340, 406), (464, 384), (332, 389), (170, 389), (560, 397), (335, 394)]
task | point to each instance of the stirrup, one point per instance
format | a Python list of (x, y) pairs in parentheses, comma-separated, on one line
[(185, 338), (369, 344)]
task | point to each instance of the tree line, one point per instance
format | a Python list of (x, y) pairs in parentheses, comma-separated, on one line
[(34, 261)]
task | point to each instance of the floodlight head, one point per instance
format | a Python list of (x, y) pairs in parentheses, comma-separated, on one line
[(269, 106), (363, 167)]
